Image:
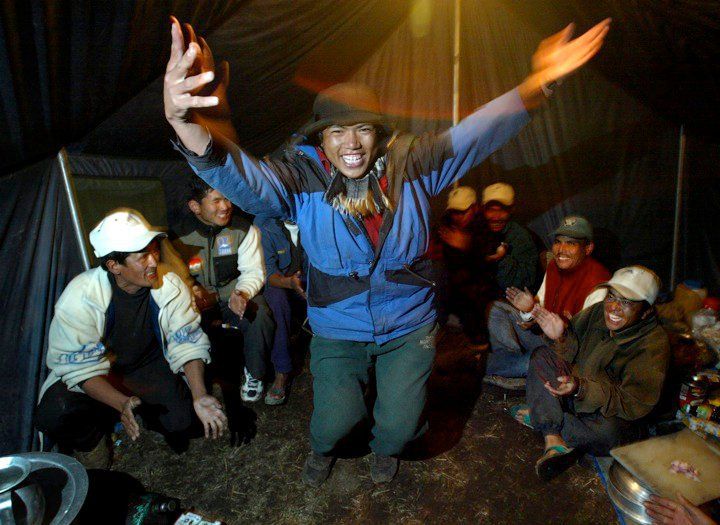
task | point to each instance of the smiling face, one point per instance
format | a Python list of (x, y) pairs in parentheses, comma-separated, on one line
[(139, 269), (619, 312), (213, 209), (497, 216), (352, 149), (569, 252)]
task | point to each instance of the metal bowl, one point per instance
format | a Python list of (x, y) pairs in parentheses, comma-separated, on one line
[(628, 493), (13, 470), (28, 504), (48, 488)]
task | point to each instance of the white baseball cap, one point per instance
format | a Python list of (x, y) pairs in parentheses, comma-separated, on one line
[(636, 283), (461, 198), (122, 230), (499, 192)]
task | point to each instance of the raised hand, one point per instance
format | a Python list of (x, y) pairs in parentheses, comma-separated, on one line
[(210, 413), (557, 56), (551, 323), (523, 300), (185, 75), (195, 91)]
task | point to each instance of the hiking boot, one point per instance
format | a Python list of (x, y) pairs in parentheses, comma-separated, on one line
[(317, 469), (508, 383), (252, 388), (383, 468), (100, 457)]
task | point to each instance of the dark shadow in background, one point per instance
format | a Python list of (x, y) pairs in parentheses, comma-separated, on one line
[(225, 370), (454, 387), (109, 496)]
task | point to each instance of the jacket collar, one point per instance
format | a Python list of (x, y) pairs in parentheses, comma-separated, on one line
[(209, 231)]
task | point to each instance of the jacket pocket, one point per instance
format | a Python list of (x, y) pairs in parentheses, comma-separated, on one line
[(419, 273), (325, 289), (225, 269)]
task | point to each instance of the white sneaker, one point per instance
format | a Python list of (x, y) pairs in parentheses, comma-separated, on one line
[(252, 389)]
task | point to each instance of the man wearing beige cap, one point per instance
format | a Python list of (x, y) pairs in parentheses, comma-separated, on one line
[(462, 246), (602, 373), (122, 337), (514, 251)]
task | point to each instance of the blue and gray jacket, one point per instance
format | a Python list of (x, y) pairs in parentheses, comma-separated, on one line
[(356, 291)]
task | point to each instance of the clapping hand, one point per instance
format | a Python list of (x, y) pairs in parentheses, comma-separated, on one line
[(551, 323), (523, 300)]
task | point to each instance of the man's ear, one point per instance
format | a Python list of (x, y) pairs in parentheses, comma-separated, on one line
[(589, 247), (113, 266), (194, 206)]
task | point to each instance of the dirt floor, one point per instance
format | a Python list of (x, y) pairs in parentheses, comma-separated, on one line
[(475, 465)]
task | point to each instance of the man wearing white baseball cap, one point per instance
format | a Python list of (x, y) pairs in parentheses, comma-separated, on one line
[(602, 374), (122, 336)]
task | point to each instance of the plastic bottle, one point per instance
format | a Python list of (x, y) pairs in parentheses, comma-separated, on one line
[(701, 319)]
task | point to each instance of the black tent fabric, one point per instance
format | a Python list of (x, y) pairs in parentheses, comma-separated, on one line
[(66, 65), (596, 149), (39, 257)]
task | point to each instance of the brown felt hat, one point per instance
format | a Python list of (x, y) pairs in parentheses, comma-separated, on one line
[(344, 104)]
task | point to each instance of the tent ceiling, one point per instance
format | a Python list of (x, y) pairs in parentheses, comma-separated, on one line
[(66, 66)]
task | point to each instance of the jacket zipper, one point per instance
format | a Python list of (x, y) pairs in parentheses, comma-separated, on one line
[(410, 270)]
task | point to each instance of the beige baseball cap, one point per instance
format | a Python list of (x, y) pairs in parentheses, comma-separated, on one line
[(499, 192), (636, 283), (461, 198)]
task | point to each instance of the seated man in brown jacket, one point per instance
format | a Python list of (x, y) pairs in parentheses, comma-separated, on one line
[(601, 375)]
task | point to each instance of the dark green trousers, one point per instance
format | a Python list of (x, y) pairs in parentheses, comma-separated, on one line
[(340, 373)]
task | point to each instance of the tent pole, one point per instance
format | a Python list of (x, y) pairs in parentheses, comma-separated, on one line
[(678, 207), (456, 70), (72, 202), (456, 66)]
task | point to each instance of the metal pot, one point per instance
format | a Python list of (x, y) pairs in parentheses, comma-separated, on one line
[(21, 501), (628, 494)]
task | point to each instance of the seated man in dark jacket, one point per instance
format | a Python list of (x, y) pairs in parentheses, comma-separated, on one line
[(461, 247), (603, 373)]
